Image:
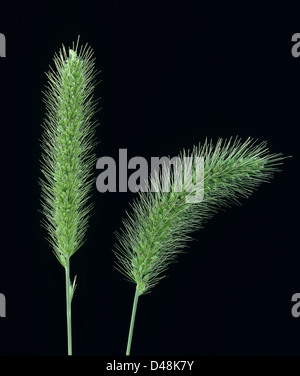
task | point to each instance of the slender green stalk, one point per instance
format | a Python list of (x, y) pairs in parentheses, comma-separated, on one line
[(67, 158), (161, 221), (68, 306), (132, 321)]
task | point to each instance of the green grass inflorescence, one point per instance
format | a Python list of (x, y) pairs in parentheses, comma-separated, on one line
[(161, 222), (67, 159)]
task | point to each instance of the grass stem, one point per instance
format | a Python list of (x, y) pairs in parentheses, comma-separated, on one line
[(135, 302), (68, 306)]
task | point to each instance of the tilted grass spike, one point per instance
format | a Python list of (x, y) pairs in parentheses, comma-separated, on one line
[(161, 222)]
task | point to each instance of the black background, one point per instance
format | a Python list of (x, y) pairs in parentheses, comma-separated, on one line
[(172, 74)]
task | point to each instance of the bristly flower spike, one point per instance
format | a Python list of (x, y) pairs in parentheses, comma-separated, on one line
[(67, 142), (161, 222)]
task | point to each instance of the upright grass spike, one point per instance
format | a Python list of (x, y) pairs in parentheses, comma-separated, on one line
[(67, 142), (161, 222)]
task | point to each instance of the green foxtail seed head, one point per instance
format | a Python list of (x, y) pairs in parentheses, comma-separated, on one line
[(67, 142), (161, 222)]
